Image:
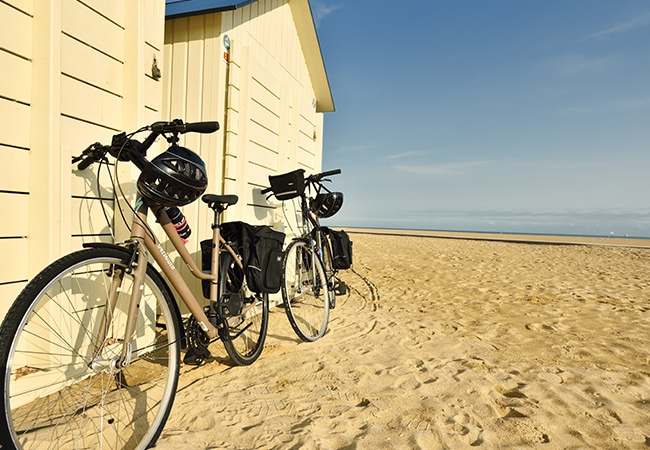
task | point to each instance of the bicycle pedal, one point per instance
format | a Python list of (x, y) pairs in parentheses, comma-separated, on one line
[(230, 305), (340, 288), (196, 357)]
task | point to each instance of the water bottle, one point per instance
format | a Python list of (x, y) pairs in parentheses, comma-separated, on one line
[(181, 225)]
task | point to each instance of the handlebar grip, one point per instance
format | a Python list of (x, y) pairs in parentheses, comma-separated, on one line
[(85, 163), (178, 126), (202, 127), (330, 172)]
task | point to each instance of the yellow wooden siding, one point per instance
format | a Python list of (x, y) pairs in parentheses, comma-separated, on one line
[(8, 292), (267, 77), (80, 61), (15, 98), (14, 268), (13, 177), (92, 28), (89, 65), (15, 32), (14, 215), (18, 115), (15, 77)]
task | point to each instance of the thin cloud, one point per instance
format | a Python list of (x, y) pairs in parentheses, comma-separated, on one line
[(442, 169), (321, 9), (617, 106), (624, 27), (357, 148), (405, 155), (576, 65)]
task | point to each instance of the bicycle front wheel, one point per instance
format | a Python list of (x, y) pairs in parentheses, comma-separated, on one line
[(304, 291), (59, 347), (244, 314)]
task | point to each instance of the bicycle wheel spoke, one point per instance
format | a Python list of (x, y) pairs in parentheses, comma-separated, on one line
[(243, 335), (64, 386), (306, 300)]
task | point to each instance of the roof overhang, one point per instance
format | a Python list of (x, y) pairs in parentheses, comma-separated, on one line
[(304, 21), (175, 9)]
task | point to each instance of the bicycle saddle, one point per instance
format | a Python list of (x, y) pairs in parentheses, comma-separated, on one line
[(213, 199)]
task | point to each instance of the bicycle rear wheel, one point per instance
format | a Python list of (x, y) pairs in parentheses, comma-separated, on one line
[(60, 385), (305, 292), (244, 314)]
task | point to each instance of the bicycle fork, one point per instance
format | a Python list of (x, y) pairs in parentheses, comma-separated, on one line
[(137, 265)]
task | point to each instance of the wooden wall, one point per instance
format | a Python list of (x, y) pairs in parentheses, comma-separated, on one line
[(73, 73), (262, 96)]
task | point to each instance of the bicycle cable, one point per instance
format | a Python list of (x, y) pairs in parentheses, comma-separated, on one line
[(103, 162), (144, 224)]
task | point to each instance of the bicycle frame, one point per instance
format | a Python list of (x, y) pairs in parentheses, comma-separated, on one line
[(144, 244)]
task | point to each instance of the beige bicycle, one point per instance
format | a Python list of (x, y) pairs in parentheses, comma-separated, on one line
[(90, 350)]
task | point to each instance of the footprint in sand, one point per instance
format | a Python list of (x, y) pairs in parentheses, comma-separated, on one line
[(540, 328)]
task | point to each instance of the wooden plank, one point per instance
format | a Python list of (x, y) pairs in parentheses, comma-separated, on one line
[(16, 31), (152, 94), (265, 93), (80, 100), (18, 115), (194, 93), (26, 6), (305, 159), (15, 78), (154, 22), (84, 182), (306, 143), (88, 218), (14, 170), (77, 134), (263, 136), (262, 157), (90, 27), (112, 10), (96, 69), (16, 267), (178, 64), (263, 116), (8, 293), (14, 222)]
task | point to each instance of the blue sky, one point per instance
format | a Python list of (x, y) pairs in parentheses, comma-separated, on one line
[(504, 115)]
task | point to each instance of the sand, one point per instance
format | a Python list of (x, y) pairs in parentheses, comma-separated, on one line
[(445, 343)]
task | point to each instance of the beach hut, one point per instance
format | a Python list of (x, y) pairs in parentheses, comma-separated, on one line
[(78, 72), (256, 66)]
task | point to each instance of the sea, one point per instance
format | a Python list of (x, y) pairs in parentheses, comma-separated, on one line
[(619, 224)]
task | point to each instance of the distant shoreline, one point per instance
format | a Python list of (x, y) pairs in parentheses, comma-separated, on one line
[(616, 241)]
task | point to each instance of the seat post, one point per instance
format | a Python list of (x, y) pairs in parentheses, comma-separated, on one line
[(216, 236)]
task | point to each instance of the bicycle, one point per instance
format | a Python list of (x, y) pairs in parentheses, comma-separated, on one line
[(90, 350), (309, 286)]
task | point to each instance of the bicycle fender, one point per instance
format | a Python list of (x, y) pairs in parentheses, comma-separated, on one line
[(154, 272)]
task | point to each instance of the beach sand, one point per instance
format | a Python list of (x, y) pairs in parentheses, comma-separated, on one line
[(445, 343)]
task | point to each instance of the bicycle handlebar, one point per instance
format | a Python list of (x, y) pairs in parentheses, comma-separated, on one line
[(126, 149), (319, 176), (178, 126), (316, 178)]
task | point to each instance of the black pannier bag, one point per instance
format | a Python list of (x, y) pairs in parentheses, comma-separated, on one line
[(288, 185), (260, 247), (341, 246)]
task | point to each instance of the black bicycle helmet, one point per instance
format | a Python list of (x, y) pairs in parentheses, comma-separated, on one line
[(326, 205), (173, 178)]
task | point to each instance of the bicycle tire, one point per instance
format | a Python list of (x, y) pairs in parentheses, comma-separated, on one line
[(242, 332), (304, 291), (328, 265), (58, 390)]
